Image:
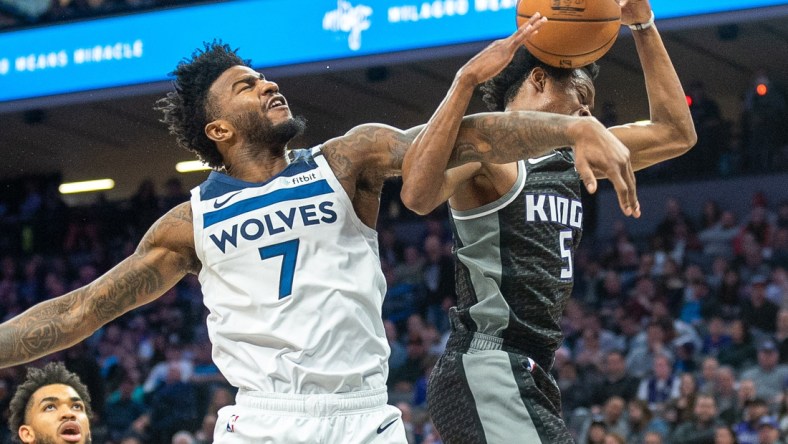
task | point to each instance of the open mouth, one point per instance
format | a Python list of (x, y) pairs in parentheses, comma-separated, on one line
[(70, 432), (277, 102)]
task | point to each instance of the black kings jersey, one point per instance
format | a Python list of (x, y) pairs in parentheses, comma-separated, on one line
[(514, 258)]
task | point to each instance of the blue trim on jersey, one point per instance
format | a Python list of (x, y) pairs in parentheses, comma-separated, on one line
[(255, 203), (219, 184)]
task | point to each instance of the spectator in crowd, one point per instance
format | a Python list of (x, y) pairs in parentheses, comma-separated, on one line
[(724, 389), (768, 375), (781, 335), (165, 420), (174, 194), (682, 408), (121, 412), (438, 281), (641, 355), (747, 429), (612, 419), (745, 395), (716, 337), (717, 239), (741, 352), (702, 427), (723, 434), (758, 311), (653, 438), (661, 385), (642, 422), (616, 381), (708, 372), (614, 438), (768, 432)]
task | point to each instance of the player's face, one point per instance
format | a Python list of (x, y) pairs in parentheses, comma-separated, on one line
[(241, 90), (573, 96), (55, 415), (254, 107)]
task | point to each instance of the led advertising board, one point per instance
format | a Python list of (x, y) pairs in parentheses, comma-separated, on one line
[(142, 48)]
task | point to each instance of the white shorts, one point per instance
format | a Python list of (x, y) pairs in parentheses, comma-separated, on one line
[(347, 418)]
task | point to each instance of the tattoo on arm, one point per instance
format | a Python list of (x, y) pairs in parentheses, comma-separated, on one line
[(58, 323), (508, 137), (61, 322)]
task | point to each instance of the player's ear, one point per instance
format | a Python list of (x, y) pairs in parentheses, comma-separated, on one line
[(538, 78), (26, 434), (219, 130)]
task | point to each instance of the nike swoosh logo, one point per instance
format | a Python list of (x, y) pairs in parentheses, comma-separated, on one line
[(218, 204), (539, 159), (382, 429)]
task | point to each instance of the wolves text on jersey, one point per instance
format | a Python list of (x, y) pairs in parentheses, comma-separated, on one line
[(274, 223), (552, 208)]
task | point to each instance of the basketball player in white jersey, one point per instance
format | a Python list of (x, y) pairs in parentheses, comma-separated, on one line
[(285, 249)]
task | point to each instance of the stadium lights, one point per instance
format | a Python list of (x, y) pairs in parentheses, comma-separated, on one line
[(86, 186), (190, 166)]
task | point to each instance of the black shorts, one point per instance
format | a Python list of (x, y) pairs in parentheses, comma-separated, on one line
[(490, 396)]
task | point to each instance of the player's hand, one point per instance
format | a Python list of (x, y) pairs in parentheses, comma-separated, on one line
[(492, 59), (634, 11), (598, 153)]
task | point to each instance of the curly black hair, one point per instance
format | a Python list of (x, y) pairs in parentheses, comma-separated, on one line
[(187, 109), (52, 373), (501, 89)]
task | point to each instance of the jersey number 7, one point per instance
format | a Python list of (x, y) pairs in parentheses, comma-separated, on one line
[(289, 252)]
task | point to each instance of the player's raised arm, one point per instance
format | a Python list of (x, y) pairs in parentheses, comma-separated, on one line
[(448, 141), (424, 182), (164, 256), (670, 131)]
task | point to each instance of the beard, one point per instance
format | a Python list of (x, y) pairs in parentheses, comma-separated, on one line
[(50, 440), (262, 132)]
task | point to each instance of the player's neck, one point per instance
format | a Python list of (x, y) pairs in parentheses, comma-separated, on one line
[(254, 164)]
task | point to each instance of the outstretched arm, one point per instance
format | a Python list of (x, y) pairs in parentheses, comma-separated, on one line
[(164, 256), (669, 132), (448, 141)]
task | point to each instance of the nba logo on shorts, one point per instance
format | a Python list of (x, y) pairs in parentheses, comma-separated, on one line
[(569, 5), (231, 423)]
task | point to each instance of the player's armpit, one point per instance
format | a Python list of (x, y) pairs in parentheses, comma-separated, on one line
[(160, 261)]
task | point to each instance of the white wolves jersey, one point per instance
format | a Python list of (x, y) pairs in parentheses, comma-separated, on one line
[(293, 281)]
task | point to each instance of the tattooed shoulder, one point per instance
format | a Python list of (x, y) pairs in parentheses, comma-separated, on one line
[(174, 231)]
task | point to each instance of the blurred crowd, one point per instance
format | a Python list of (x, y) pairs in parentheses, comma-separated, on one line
[(672, 338)]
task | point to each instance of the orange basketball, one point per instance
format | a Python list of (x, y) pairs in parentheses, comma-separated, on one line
[(577, 32)]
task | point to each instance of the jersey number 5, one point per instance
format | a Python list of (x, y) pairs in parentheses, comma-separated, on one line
[(566, 252), (289, 252)]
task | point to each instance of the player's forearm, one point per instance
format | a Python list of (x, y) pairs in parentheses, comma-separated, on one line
[(667, 102), (510, 136), (44, 328), (61, 322), (427, 158)]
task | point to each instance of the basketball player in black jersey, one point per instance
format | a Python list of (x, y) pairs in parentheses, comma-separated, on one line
[(516, 227)]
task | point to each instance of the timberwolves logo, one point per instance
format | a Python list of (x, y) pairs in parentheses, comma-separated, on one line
[(568, 6)]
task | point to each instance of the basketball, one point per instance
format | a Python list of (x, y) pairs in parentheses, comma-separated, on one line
[(577, 32)]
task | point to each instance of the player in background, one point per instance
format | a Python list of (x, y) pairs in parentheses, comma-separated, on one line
[(516, 227), (51, 406), (285, 249)]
